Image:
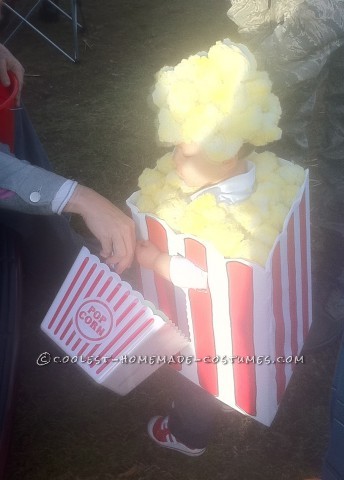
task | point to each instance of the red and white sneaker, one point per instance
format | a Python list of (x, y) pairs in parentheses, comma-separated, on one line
[(159, 432)]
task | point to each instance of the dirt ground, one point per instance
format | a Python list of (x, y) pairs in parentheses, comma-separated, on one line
[(95, 123)]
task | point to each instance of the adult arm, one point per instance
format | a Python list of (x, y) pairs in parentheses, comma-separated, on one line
[(113, 228), (38, 191)]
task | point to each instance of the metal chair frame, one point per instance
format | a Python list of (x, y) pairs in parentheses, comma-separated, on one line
[(73, 17)]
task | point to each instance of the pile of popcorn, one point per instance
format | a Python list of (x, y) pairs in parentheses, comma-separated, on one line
[(244, 230), (217, 99), (220, 101)]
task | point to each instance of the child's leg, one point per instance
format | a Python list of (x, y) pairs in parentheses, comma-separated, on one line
[(192, 417)]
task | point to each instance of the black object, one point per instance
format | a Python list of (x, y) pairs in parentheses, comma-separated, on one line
[(333, 468), (10, 310)]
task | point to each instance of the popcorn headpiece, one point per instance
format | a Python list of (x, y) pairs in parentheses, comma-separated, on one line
[(218, 100)]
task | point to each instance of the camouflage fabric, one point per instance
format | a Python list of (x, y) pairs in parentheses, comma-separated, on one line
[(292, 39)]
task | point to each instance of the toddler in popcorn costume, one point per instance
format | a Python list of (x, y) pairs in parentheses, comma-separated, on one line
[(190, 422), (212, 106)]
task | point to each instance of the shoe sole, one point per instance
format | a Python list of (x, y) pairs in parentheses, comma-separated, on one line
[(162, 444)]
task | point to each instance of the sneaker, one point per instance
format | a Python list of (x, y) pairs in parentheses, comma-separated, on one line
[(159, 432)]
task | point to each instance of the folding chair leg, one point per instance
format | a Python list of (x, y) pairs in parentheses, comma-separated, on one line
[(73, 17)]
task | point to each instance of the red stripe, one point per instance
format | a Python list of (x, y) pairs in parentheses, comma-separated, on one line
[(105, 286), (202, 320), (64, 333), (121, 333), (75, 298), (81, 351), (70, 338), (113, 293), (76, 344), (279, 319), (121, 300), (70, 288), (165, 289), (93, 350), (241, 295), (94, 284), (126, 311), (292, 284), (304, 265), (127, 342)]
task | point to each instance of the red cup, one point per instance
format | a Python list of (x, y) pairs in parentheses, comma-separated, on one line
[(7, 103)]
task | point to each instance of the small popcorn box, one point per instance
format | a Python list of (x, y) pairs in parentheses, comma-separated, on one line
[(247, 329), (110, 330)]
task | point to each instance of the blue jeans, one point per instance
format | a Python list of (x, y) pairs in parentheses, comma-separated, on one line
[(192, 417)]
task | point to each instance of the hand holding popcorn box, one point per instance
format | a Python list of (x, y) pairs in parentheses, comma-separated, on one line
[(99, 319)]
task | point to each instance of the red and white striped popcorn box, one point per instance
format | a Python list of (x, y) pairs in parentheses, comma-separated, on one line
[(108, 328), (247, 329)]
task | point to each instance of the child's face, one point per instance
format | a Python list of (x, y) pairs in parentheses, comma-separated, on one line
[(195, 168)]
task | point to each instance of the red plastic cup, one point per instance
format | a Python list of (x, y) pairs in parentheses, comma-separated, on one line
[(7, 103)]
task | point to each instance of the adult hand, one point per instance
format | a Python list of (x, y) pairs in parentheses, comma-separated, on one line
[(9, 62), (114, 229)]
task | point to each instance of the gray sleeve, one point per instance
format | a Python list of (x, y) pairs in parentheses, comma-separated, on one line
[(34, 188)]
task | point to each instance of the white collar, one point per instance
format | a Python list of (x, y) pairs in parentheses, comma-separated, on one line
[(234, 189)]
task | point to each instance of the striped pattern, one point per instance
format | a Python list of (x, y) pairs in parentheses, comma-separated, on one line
[(248, 311), (96, 314)]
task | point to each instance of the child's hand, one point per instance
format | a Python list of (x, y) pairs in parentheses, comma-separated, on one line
[(147, 254)]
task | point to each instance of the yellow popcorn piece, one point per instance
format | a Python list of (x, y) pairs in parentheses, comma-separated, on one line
[(292, 174), (172, 212), (278, 213), (261, 201), (202, 203), (200, 123), (219, 148), (217, 94), (145, 204), (181, 98), (224, 238), (247, 214), (266, 163), (215, 215), (266, 234), (254, 251), (165, 164), (258, 88), (192, 223), (270, 190), (169, 130), (245, 230), (259, 252), (165, 194), (149, 180), (288, 194), (174, 180)]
